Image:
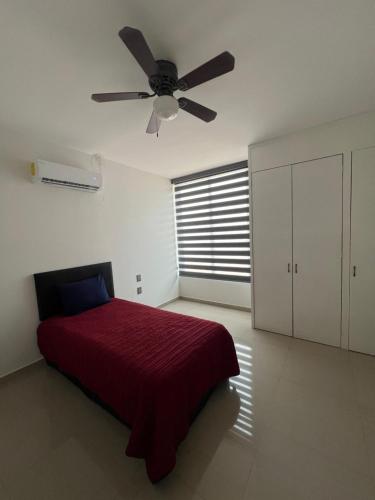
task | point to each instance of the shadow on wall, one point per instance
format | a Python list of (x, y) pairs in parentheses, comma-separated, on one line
[(19, 323)]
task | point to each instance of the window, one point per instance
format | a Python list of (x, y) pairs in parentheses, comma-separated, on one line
[(212, 220)]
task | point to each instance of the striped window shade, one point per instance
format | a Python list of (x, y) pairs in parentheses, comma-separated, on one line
[(212, 220)]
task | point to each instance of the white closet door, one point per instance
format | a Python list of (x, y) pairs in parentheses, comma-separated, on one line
[(317, 249), (272, 249), (362, 285)]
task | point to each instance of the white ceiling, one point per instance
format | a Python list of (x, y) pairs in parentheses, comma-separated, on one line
[(298, 63)]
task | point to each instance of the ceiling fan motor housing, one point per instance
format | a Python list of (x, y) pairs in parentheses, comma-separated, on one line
[(164, 82)]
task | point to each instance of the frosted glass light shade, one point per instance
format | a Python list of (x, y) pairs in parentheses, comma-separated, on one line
[(166, 107)]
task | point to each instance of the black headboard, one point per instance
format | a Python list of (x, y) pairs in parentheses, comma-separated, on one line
[(46, 285)]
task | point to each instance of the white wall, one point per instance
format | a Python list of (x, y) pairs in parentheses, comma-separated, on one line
[(222, 292), (44, 227), (341, 136)]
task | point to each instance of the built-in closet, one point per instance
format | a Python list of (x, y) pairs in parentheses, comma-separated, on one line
[(297, 213), (313, 233)]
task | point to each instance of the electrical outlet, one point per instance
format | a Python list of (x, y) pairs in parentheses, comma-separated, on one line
[(138, 277), (139, 290)]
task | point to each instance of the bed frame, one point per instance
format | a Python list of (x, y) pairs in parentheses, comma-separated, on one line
[(46, 285), (49, 305)]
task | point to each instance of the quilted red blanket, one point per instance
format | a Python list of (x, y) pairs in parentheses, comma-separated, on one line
[(152, 367)]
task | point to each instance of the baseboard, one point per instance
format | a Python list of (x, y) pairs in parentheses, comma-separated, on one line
[(23, 367), (168, 302), (218, 304)]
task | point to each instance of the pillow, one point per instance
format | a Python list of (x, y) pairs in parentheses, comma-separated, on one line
[(80, 296)]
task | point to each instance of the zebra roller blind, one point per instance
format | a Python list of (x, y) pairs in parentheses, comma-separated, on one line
[(212, 220)]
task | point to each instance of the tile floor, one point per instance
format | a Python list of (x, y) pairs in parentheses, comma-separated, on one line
[(297, 424)]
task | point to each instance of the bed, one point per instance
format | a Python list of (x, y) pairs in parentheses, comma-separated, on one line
[(152, 368)]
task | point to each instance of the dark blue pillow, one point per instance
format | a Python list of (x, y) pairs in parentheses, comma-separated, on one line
[(80, 296)]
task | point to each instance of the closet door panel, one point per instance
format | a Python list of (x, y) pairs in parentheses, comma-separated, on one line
[(317, 249), (272, 250), (362, 285)]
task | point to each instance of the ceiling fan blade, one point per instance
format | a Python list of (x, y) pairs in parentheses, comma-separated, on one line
[(119, 96), (154, 124), (219, 65), (197, 110), (136, 43)]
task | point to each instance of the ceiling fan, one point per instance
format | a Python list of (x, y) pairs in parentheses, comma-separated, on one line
[(163, 80)]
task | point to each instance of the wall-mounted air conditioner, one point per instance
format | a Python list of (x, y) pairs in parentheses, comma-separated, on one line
[(65, 176)]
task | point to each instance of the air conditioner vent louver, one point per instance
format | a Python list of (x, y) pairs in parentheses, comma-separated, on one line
[(65, 176), (75, 185)]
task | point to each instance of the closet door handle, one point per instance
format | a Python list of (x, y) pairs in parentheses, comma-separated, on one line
[(296, 268), (288, 267), (354, 271)]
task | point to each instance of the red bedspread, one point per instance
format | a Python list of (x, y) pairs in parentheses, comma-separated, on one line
[(152, 367)]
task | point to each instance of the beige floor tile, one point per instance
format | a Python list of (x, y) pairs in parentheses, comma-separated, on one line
[(363, 368), (322, 422), (314, 349), (334, 480), (208, 431), (221, 473), (259, 337), (362, 363), (291, 469), (368, 422), (271, 483), (298, 423), (266, 359), (171, 488), (329, 375), (365, 391), (67, 473), (3, 493), (26, 439)]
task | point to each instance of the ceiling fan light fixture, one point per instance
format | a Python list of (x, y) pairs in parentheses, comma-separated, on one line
[(166, 107), (163, 80)]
